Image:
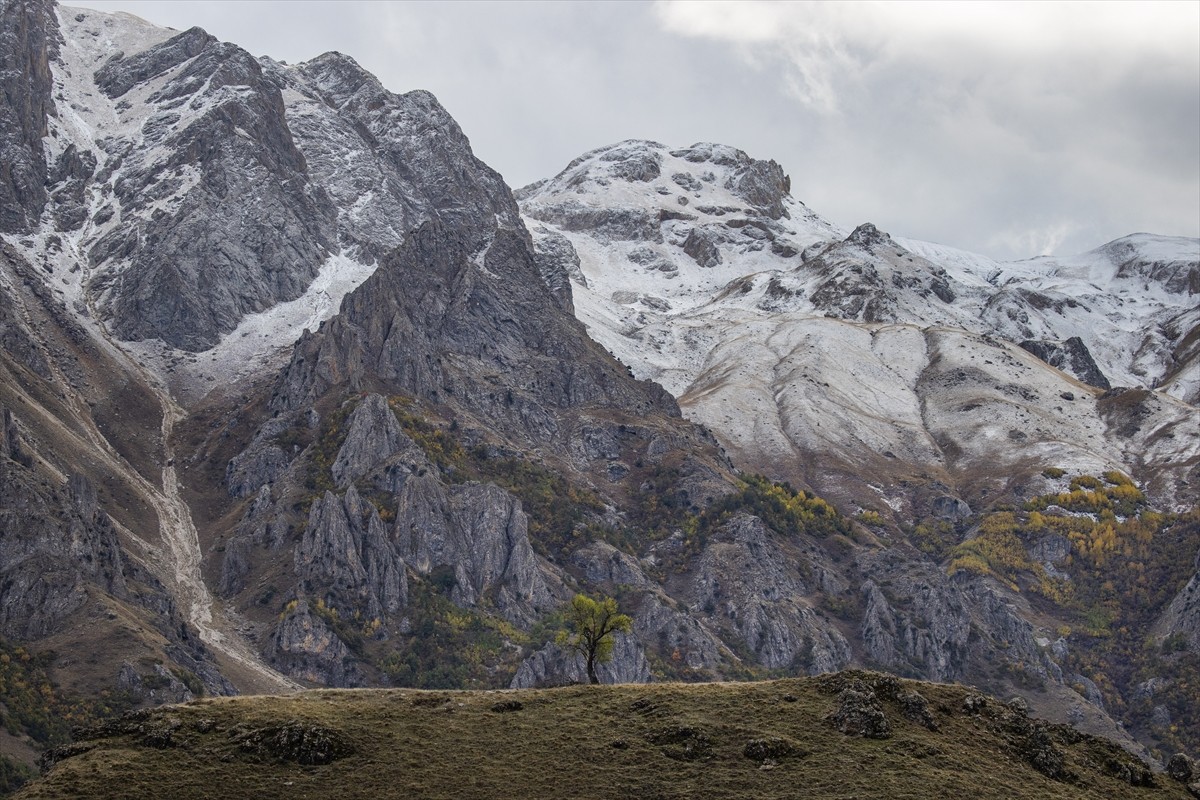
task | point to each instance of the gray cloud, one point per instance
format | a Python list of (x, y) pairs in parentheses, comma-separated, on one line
[(1004, 133)]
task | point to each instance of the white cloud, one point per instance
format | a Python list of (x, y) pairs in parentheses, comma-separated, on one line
[(1043, 240), (974, 123), (971, 124)]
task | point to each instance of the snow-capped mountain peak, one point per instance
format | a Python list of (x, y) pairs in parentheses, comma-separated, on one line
[(698, 268)]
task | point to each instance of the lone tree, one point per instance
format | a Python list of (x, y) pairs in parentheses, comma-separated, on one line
[(593, 623)]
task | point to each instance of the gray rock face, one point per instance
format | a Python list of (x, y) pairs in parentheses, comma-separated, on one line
[(54, 545), (868, 277), (634, 161), (405, 150), (951, 508), (254, 468), (859, 713), (306, 648), (1182, 617), (1180, 276), (257, 529), (685, 640), (435, 325), (558, 666), (652, 259), (745, 580), (481, 532), (1010, 634), (10, 441), (1070, 356), (558, 263), (346, 554), (921, 625), (246, 228), (605, 224), (373, 435), (120, 74), (760, 183), (604, 565), (68, 181), (28, 42), (701, 245), (18, 337), (157, 687)]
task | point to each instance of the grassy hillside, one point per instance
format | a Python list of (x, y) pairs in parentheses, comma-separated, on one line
[(851, 734)]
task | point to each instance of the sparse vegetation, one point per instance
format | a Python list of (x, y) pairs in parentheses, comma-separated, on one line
[(1125, 563), (451, 647), (758, 740), (31, 706)]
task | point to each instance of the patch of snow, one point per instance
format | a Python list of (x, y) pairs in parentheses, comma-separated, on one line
[(260, 340)]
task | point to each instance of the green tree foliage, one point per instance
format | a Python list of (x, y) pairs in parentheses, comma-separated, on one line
[(594, 622)]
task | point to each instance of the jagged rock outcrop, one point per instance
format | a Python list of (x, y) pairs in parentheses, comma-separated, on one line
[(120, 74), (10, 442), (604, 565), (55, 544), (763, 184), (608, 225), (258, 529), (633, 161), (701, 244), (403, 150), (559, 265), (257, 466), (68, 180), (1070, 356), (1176, 275), (859, 713), (479, 531), (372, 436), (443, 324), (923, 629), (1009, 634), (869, 277), (685, 641), (346, 556), (243, 227), (158, 687)]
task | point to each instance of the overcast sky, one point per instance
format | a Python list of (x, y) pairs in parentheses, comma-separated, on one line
[(1009, 129)]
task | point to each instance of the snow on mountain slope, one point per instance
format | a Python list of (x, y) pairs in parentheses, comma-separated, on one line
[(206, 207), (852, 360)]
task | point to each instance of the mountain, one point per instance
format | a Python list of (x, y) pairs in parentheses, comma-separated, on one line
[(298, 393), (852, 361)]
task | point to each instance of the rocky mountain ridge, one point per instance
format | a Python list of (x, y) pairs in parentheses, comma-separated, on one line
[(361, 436)]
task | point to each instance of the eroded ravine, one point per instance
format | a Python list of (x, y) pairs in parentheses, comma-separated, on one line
[(178, 561), (180, 535)]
